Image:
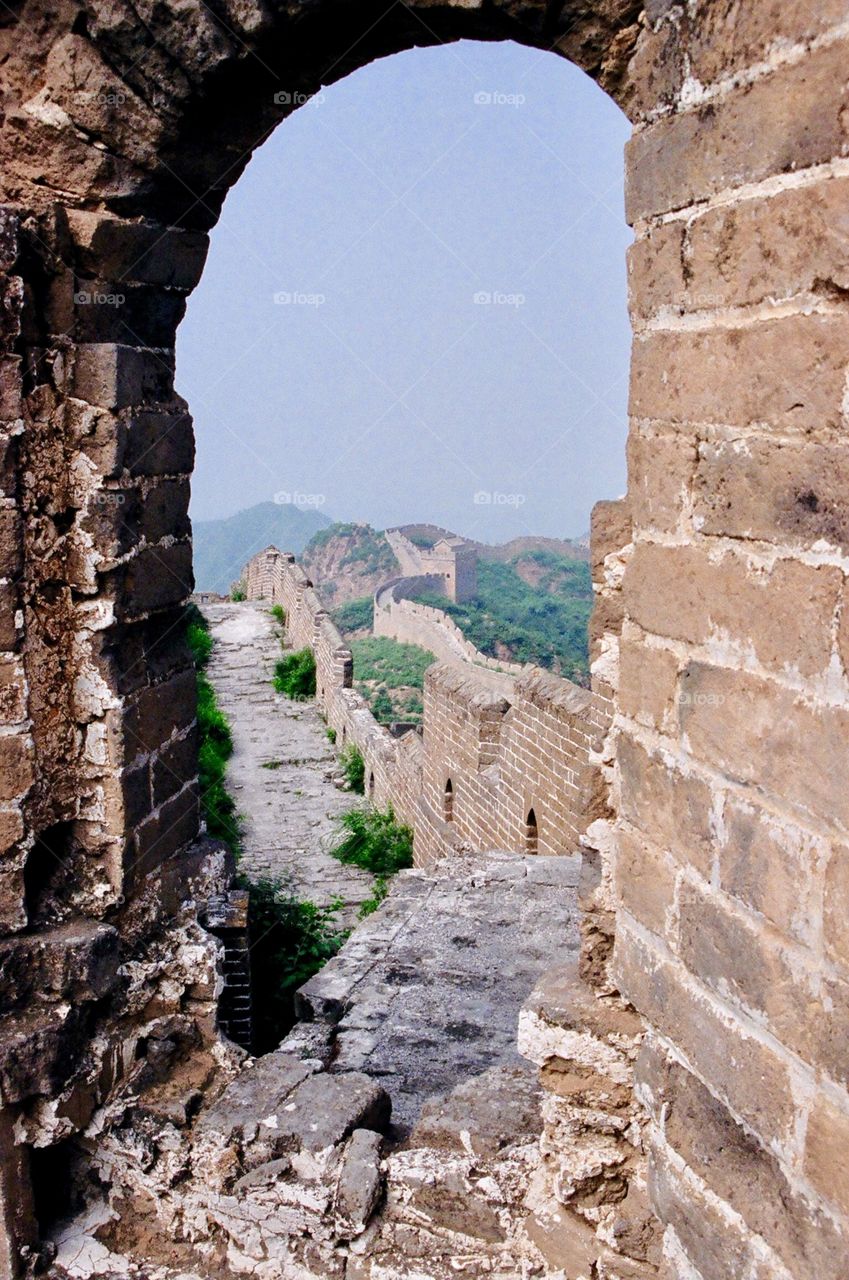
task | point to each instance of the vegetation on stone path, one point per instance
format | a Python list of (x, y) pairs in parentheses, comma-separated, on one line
[(294, 675), (374, 841), (215, 740), (290, 937), (353, 767)]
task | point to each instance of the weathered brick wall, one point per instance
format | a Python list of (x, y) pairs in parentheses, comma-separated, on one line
[(732, 726), (720, 610)]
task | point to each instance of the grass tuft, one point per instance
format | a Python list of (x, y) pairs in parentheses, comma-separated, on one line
[(294, 675), (374, 841)]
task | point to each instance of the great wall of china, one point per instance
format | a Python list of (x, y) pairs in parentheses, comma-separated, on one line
[(715, 867)]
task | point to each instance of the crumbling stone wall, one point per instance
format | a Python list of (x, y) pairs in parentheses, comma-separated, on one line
[(719, 852)]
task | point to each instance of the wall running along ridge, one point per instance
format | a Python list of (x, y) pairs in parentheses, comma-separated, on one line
[(721, 865)]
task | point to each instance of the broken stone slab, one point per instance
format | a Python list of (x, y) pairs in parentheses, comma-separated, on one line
[(256, 1094), (483, 1115), (323, 1110), (360, 1181)]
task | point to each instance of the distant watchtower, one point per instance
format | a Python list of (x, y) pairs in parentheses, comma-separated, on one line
[(456, 563)]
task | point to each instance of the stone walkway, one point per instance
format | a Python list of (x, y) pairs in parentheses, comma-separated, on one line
[(283, 773), (426, 993)]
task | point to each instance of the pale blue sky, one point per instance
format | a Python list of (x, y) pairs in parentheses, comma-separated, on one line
[(381, 390)]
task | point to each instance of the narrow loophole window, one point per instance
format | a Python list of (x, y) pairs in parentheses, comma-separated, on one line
[(448, 802), (531, 832)]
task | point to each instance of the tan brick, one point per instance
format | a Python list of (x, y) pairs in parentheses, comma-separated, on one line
[(645, 879), (826, 1145), (738, 1169), (716, 1250), (836, 908), (671, 809), (769, 738), (647, 682), (750, 963), (660, 475), (741, 1069), (793, 494), (773, 247), (730, 376), (11, 828), (785, 613), (773, 867), (16, 766), (791, 119), (723, 40)]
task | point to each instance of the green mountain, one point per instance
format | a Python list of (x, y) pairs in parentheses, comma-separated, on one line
[(223, 547)]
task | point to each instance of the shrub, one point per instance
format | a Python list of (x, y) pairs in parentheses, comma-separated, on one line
[(290, 939), (238, 592), (294, 675), (277, 611), (374, 841), (382, 707), (354, 768), (330, 734)]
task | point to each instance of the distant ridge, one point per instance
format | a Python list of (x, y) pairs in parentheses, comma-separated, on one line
[(223, 547)]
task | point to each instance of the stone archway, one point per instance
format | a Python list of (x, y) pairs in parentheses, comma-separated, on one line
[(719, 633)]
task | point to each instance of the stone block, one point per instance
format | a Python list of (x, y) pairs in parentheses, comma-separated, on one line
[(672, 809), (728, 376), (136, 315), (786, 493), (115, 376), (16, 765), (126, 251), (772, 867), (715, 1247), (176, 764), (155, 578), (774, 247), (726, 718), (836, 896), (159, 443), (169, 831), (648, 681), (645, 880), (790, 119), (160, 711), (751, 1078), (785, 614), (826, 1143), (359, 1181), (77, 962), (660, 475)]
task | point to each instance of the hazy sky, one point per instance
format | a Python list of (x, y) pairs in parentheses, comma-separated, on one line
[(338, 350)]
